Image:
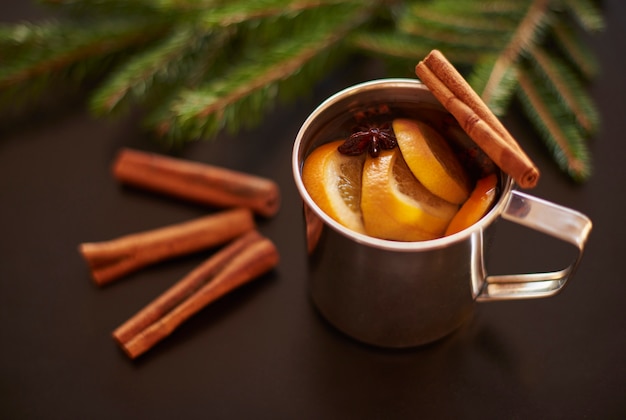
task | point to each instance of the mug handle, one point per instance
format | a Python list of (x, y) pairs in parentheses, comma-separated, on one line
[(553, 220)]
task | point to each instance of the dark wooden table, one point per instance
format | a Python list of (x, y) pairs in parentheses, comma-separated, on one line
[(263, 351)]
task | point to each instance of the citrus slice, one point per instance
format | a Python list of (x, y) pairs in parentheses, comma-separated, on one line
[(333, 181), (396, 206), (432, 160), (480, 201)]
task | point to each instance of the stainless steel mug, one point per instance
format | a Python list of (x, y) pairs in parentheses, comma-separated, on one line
[(405, 294)]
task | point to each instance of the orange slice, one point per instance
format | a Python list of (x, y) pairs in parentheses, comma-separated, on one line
[(396, 206), (476, 206), (432, 160), (333, 181)]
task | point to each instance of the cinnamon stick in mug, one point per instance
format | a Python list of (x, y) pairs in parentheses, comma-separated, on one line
[(234, 265), (110, 260), (475, 117), (197, 182)]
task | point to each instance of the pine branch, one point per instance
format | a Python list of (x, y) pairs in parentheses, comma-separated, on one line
[(575, 51), (500, 49), (233, 13), (90, 9), (527, 33), (390, 44), (566, 88), (500, 98), (449, 26), (469, 18), (251, 86), (586, 14), (55, 47), (162, 65), (199, 66), (560, 135)]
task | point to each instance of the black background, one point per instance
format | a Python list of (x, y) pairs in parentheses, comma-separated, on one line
[(262, 351)]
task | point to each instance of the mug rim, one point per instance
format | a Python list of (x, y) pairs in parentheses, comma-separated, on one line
[(386, 244)]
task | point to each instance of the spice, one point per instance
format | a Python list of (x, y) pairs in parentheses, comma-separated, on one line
[(475, 117), (197, 182), (236, 264), (371, 138), (372, 133), (110, 260)]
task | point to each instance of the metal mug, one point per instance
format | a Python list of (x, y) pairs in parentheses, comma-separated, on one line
[(405, 294)]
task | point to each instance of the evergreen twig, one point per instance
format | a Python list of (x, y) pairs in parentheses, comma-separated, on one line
[(199, 66)]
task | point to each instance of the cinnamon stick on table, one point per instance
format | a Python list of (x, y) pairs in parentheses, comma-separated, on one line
[(197, 182), (110, 260), (234, 265), (475, 117)]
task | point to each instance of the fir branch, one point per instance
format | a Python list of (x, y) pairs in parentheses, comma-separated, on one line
[(90, 9), (198, 66), (560, 136), (238, 12), (575, 50), (469, 18), (526, 34), (407, 47), (500, 98), (163, 64), (41, 50), (387, 43), (586, 14), (566, 88), (203, 111), (449, 27)]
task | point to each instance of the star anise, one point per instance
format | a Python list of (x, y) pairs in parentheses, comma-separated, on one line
[(372, 133), (371, 138)]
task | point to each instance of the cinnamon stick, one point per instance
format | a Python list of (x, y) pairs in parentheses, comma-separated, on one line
[(236, 264), (475, 117), (197, 182), (110, 260)]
